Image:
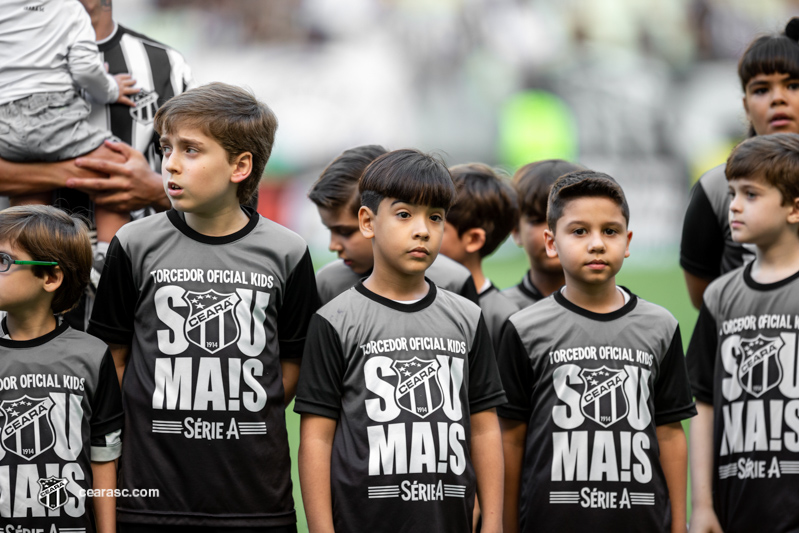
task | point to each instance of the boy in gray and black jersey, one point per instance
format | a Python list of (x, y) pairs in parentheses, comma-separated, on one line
[(206, 309), (482, 216), (59, 396), (743, 354), (399, 382), (596, 384), (336, 196)]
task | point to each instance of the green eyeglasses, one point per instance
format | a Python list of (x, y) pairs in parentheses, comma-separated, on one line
[(6, 261)]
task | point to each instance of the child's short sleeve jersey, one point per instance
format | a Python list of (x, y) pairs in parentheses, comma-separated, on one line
[(743, 360), (402, 381), (61, 410), (592, 388), (208, 320), (524, 294), (497, 308), (336, 277)]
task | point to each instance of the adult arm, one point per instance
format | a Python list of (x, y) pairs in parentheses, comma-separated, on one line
[(514, 433), (316, 447), (703, 517), (674, 462), (19, 179), (130, 185), (104, 476)]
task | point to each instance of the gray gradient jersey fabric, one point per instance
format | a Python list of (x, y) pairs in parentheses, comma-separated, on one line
[(208, 320), (524, 294), (336, 277), (497, 308), (743, 360), (706, 248), (592, 388), (61, 409), (402, 381)]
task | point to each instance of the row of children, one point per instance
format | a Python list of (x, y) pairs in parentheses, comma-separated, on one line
[(407, 416)]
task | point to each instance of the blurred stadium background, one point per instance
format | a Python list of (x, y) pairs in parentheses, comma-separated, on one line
[(646, 90)]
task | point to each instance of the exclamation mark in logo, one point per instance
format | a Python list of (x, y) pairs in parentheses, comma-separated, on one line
[(442, 447), (775, 409), (625, 455), (234, 375)]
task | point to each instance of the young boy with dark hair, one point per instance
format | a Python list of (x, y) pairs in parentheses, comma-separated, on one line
[(399, 384), (206, 309), (336, 196), (532, 183), (482, 216), (743, 357), (59, 395), (596, 384)]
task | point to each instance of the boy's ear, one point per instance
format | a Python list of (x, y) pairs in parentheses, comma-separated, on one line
[(629, 238), (473, 239), (549, 241), (793, 215), (242, 167), (53, 279), (516, 236), (366, 220)]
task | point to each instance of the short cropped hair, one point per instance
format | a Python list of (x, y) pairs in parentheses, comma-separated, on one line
[(49, 234), (771, 158), (483, 200), (337, 186), (533, 181), (230, 115), (583, 184), (409, 176)]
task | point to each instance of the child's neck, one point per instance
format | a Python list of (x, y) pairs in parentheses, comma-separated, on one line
[(395, 285), (474, 264), (220, 223), (30, 324), (604, 298), (778, 260), (546, 282)]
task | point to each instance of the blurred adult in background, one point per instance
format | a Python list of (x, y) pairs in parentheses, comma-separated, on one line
[(133, 185)]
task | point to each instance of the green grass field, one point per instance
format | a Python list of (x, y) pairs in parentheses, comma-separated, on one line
[(662, 284)]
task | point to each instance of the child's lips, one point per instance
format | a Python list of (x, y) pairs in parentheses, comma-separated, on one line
[(597, 265), (419, 252)]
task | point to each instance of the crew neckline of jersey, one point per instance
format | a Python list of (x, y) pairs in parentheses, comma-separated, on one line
[(423, 303), (528, 288), (601, 317), (756, 285), (112, 40), (31, 343), (178, 220)]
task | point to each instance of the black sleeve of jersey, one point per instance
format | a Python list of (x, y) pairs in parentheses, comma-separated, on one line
[(673, 399), (701, 357), (485, 386), (299, 304), (106, 404), (516, 373), (469, 292), (702, 243), (115, 303), (319, 389)]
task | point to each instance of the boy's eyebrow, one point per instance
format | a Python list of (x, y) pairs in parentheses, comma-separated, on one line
[(180, 140)]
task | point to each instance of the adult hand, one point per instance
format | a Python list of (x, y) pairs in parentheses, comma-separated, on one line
[(125, 84), (130, 185)]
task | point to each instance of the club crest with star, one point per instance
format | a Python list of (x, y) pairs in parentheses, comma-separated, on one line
[(212, 324), (759, 369), (604, 400), (418, 390), (53, 492), (27, 429)]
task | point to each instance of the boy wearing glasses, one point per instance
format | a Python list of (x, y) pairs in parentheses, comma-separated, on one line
[(206, 309), (59, 398)]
